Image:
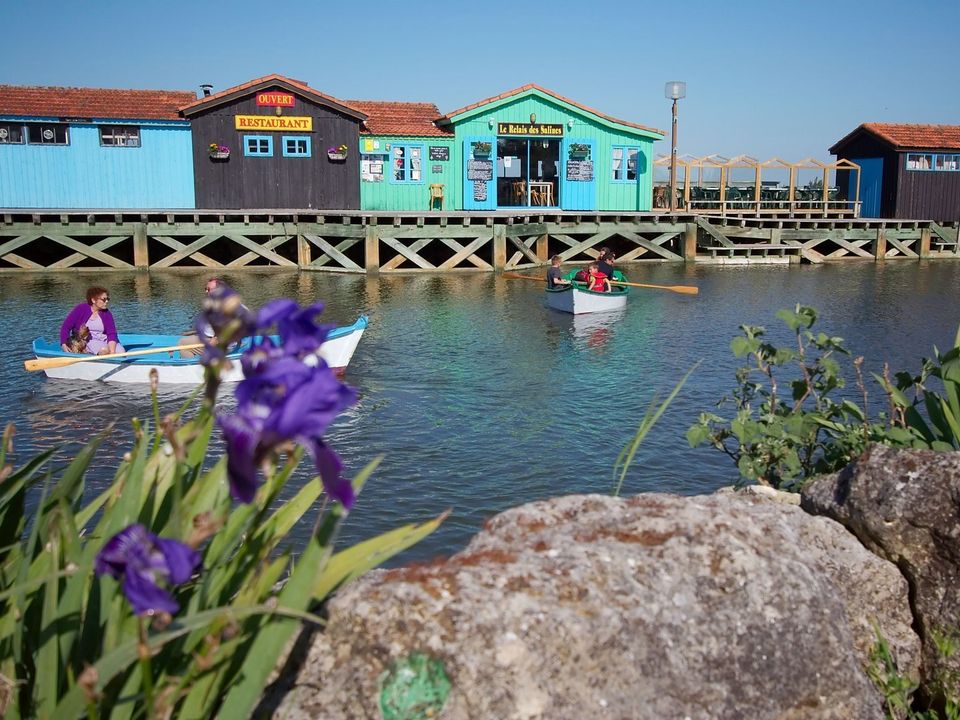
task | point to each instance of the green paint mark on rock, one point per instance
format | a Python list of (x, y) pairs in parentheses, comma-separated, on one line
[(415, 688)]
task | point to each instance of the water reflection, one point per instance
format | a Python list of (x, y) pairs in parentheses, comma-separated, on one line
[(479, 396)]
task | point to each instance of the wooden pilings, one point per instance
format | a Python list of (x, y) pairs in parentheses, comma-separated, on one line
[(440, 242)]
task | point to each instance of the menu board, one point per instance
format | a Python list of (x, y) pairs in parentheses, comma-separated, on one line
[(480, 170), (439, 152), (580, 170), (480, 191)]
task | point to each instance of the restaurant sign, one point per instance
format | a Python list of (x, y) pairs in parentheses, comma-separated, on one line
[(530, 129), (275, 99), (274, 122)]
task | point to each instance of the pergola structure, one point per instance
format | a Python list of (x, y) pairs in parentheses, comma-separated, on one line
[(758, 197)]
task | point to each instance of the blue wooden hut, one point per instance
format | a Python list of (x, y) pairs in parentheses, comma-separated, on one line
[(94, 148)]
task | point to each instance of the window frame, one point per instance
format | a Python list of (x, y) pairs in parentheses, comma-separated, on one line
[(308, 151), (944, 159), (247, 152), (625, 168), (407, 163), (56, 127), (13, 127), (126, 132)]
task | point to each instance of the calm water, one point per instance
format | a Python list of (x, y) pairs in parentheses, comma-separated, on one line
[(478, 396)]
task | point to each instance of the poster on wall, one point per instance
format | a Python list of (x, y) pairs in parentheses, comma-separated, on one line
[(579, 170), (480, 191), (480, 170)]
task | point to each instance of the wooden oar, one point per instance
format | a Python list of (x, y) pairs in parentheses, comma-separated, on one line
[(686, 289), (55, 362)]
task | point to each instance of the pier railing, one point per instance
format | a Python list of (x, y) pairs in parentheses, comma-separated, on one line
[(368, 242)]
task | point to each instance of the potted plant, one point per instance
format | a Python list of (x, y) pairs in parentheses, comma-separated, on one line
[(337, 152), (482, 148), (579, 149), (218, 152)]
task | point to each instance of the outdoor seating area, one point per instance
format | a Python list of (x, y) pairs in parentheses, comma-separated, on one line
[(735, 186)]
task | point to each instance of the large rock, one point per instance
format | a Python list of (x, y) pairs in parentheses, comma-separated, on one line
[(905, 506), (657, 606)]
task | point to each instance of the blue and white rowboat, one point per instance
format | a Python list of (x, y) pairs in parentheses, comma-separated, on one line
[(336, 350)]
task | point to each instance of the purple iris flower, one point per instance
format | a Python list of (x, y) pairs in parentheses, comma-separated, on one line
[(297, 327), (142, 560), (221, 307), (288, 395)]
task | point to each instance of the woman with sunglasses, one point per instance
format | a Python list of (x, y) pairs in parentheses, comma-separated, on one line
[(96, 316)]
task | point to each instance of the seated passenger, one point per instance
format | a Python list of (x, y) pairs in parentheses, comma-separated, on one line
[(93, 315), (596, 280), (555, 280)]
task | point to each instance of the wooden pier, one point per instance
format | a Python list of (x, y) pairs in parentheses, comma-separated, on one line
[(370, 242)]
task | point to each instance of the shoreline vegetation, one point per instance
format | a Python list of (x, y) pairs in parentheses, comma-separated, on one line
[(175, 592)]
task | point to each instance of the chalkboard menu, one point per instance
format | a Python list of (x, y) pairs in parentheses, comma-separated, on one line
[(480, 170), (480, 191), (580, 170), (439, 152)]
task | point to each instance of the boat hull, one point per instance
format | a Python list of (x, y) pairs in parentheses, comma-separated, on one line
[(579, 301), (337, 351)]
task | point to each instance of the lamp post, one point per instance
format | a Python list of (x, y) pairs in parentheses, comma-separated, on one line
[(674, 90)]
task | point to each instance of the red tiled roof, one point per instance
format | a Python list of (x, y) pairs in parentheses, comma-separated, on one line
[(264, 81), (400, 118), (70, 102), (533, 86), (911, 136)]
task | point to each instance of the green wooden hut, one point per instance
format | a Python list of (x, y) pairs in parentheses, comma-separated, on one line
[(530, 147), (406, 161)]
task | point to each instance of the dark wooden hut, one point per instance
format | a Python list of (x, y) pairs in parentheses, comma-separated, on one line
[(275, 143), (907, 171)]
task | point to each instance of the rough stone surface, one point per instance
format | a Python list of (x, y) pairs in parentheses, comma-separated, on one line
[(904, 505), (657, 606)]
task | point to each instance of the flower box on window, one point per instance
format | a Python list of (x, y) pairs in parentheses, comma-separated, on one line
[(338, 153), (218, 152)]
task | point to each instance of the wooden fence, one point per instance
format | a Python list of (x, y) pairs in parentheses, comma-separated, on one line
[(356, 242)]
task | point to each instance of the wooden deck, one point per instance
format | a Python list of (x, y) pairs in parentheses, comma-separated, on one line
[(371, 242)]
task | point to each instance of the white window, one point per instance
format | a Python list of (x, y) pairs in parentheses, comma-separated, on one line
[(119, 136)]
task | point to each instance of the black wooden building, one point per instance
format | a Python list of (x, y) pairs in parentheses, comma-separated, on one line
[(907, 171), (275, 143)]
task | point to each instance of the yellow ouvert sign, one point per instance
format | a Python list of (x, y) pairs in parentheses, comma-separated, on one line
[(274, 122)]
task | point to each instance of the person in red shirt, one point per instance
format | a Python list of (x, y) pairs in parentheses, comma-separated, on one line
[(596, 280)]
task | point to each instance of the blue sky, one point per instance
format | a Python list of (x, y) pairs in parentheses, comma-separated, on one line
[(763, 78)]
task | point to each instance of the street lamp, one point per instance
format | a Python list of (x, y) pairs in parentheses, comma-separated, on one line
[(674, 90)]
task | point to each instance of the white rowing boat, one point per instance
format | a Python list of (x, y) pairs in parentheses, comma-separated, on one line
[(576, 299), (337, 350)]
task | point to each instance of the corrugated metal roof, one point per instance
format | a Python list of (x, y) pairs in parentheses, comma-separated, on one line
[(533, 86), (72, 102), (909, 136), (400, 118)]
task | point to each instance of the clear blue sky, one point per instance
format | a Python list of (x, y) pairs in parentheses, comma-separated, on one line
[(764, 79)]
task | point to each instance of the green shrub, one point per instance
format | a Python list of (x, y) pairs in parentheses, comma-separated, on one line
[(790, 422)]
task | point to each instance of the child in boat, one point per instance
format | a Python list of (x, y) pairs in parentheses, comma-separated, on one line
[(554, 277), (596, 280)]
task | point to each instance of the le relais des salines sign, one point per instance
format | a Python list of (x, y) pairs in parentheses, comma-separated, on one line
[(530, 129)]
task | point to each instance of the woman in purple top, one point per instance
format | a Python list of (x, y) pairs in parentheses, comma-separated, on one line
[(99, 321)]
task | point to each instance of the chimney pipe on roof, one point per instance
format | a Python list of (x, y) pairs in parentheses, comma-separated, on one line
[(206, 88)]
